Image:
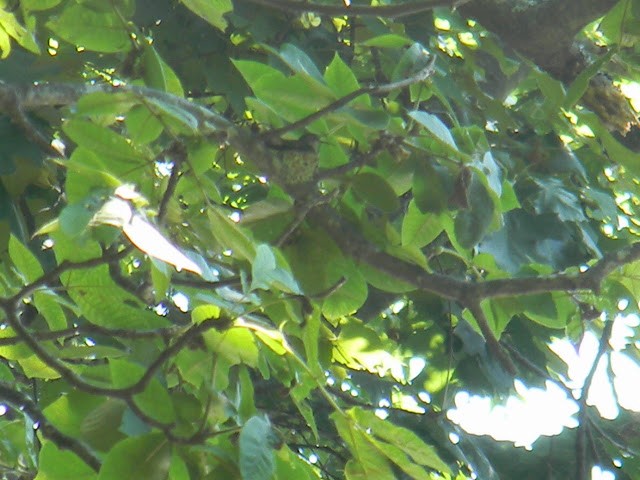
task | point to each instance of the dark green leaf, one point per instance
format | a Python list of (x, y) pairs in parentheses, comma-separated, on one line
[(256, 454), (472, 224), (431, 188), (91, 29), (375, 190), (212, 11), (145, 457)]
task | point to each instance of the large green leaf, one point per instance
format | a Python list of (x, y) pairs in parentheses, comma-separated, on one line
[(375, 190), (420, 229), (26, 262), (102, 31), (146, 457), (154, 401), (256, 454), (368, 461), (237, 345), (58, 464), (105, 143), (403, 439)]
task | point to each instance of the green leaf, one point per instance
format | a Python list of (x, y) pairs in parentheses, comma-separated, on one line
[(368, 462), (158, 75), (612, 25), (402, 438), (388, 40), (179, 469), (57, 464), (256, 454), (102, 301), (290, 97), (473, 223), (147, 457), (419, 229), (20, 34), (34, 367), (103, 103), (299, 61), (266, 273), (581, 82), (5, 44), (615, 150), (434, 125), (350, 296), (154, 400), (360, 346), (230, 236), (212, 11), (104, 141), (382, 281), (246, 404), (101, 31), (490, 169), (37, 5), (541, 308), (87, 178), (25, 261), (342, 80), (237, 345), (75, 218), (49, 306), (311, 338), (289, 465), (375, 190), (552, 90), (554, 197), (430, 188), (143, 125), (203, 313)]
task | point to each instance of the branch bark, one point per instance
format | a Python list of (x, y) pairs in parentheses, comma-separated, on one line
[(21, 401), (542, 31), (390, 11)]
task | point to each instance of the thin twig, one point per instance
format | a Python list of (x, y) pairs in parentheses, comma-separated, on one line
[(179, 154), (70, 376), (602, 348), (421, 76)]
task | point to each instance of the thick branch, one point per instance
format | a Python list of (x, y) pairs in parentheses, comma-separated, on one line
[(34, 96), (541, 30), (390, 11)]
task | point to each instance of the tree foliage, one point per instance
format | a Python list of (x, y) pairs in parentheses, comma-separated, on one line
[(230, 231)]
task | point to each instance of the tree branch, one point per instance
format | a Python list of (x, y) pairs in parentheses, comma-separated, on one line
[(22, 402), (421, 76), (390, 11), (74, 380), (494, 347)]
